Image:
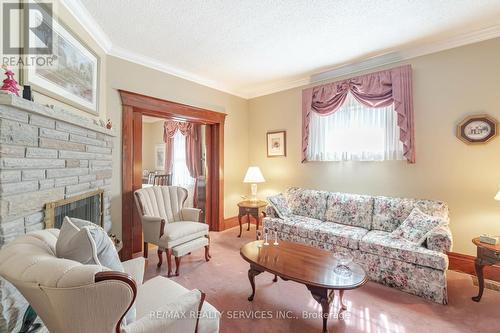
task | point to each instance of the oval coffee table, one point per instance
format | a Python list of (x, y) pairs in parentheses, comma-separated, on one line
[(303, 264)]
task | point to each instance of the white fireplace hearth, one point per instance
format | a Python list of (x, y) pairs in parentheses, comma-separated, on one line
[(46, 155)]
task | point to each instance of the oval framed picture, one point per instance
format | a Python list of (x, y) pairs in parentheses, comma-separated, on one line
[(478, 129)]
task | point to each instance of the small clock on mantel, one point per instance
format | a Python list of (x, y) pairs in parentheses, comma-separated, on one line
[(477, 129)]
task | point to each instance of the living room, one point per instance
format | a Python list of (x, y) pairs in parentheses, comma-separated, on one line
[(274, 85)]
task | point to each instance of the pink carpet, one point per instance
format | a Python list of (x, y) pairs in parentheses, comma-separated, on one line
[(373, 308)]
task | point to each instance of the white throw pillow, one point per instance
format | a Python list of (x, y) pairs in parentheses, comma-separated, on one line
[(417, 226), (89, 244)]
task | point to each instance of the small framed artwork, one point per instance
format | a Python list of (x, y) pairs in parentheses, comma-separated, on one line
[(74, 76), (276, 143), (160, 156), (477, 129)]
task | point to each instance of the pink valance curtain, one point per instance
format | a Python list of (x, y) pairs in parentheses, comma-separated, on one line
[(192, 132), (374, 90)]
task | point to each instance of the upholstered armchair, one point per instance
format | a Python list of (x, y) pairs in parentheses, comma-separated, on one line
[(169, 225), (71, 297)]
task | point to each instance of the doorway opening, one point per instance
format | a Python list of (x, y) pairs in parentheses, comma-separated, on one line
[(175, 157), (137, 111)]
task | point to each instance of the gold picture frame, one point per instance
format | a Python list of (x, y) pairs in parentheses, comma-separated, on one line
[(477, 129)]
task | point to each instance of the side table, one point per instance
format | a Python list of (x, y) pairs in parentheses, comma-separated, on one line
[(487, 255), (251, 208)]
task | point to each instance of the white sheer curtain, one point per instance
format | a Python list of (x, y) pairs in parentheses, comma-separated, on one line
[(180, 172), (355, 132)]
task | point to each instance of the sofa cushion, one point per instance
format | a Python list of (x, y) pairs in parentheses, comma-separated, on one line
[(417, 226), (389, 213), (308, 203), (158, 291), (339, 234), (384, 244), (280, 205), (317, 230), (351, 209)]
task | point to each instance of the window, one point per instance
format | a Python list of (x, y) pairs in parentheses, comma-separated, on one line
[(355, 132), (180, 172)]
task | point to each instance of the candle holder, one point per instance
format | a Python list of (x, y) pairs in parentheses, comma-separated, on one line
[(259, 235), (275, 236), (266, 233)]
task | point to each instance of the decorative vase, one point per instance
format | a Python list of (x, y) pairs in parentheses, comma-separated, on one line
[(9, 84)]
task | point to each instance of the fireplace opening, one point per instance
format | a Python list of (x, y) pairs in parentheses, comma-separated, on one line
[(87, 206)]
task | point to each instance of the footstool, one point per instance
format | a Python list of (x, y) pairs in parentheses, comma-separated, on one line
[(186, 248)]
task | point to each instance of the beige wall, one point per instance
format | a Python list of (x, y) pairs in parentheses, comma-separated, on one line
[(152, 134), (447, 86), (129, 76)]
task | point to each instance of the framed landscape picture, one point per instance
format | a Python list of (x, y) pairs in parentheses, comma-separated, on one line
[(478, 129), (276, 143), (74, 77)]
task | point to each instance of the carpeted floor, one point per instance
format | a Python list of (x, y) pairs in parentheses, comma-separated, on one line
[(288, 306)]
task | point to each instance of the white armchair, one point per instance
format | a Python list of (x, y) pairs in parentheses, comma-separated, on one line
[(71, 297), (167, 224)]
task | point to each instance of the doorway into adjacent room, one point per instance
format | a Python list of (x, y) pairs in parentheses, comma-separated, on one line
[(174, 153), (186, 149)]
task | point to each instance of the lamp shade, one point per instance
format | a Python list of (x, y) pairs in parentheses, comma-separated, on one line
[(254, 175), (497, 197)]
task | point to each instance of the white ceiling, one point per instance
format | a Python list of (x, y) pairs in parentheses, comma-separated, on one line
[(254, 47)]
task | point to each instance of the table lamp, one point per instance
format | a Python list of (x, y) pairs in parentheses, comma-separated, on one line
[(489, 239), (254, 176)]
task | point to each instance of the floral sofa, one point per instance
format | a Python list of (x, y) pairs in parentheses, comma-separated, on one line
[(362, 225)]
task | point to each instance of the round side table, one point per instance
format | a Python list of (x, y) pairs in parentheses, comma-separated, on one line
[(251, 208), (487, 255)]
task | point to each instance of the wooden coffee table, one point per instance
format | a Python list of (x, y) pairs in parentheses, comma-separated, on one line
[(303, 264)]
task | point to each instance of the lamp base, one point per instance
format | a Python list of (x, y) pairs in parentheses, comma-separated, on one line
[(254, 192)]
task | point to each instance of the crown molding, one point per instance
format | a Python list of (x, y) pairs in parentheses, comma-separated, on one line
[(140, 59), (386, 58), (83, 17), (81, 14)]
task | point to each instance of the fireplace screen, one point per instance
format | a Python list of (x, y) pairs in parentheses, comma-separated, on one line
[(87, 206)]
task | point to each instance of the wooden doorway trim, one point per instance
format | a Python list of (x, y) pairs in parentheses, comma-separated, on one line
[(134, 107)]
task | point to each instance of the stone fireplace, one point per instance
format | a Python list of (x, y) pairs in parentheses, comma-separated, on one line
[(46, 155)]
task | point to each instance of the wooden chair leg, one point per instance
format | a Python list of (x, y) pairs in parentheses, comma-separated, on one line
[(177, 264), (160, 257), (146, 250), (169, 262), (207, 252), (209, 256)]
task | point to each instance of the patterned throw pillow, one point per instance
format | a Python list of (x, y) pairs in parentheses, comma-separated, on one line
[(417, 226), (278, 202)]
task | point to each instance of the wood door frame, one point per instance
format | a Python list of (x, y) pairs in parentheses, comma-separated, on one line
[(134, 106)]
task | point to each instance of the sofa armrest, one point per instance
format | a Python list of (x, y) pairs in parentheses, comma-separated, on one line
[(152, 228), (178, 317), (440, 240), (271, 212), (191, 214), (135, 268)]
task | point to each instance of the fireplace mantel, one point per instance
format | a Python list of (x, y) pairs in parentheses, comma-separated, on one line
[(55, 113)]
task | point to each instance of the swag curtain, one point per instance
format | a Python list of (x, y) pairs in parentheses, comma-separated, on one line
[(192, 133), (374, 90)]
